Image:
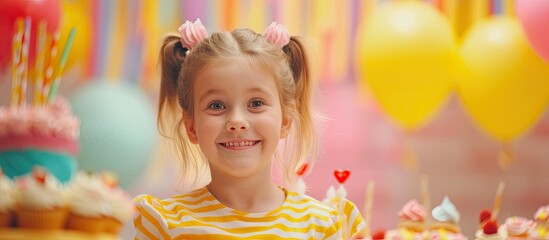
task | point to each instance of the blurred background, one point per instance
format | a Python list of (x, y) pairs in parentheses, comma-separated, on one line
[(454, 90)]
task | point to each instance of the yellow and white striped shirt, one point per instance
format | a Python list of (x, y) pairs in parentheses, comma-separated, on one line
[(198, 215)]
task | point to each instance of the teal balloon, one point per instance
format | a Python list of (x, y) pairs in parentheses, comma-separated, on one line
[(118, 129)]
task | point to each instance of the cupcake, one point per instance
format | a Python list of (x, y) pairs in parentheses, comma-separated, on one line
[(41, 201), (412, 217), (412, 222), (88, 204), (490, 231), (446, 226), (7, 200), (541, 229), (518, 227), (446, 216), (121, 205)]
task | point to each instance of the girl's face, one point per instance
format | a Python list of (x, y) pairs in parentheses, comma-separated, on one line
[(238, 119)]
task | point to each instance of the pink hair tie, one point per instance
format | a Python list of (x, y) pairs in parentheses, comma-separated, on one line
[(277, 34), (192, 33)]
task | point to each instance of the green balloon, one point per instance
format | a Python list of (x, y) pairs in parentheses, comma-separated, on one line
[(118, 129)]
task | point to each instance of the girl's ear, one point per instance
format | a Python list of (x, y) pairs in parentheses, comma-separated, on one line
[(189, 127), (286, 126)]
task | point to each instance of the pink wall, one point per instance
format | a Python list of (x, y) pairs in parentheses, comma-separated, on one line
[(459, 160)]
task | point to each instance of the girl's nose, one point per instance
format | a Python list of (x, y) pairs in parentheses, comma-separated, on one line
[(237, 122)]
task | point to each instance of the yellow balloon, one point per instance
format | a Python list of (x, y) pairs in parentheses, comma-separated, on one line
[(505, 86), (406, 53), (76, 14)]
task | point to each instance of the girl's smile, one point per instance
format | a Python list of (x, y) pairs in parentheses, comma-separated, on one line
[(239, 144)]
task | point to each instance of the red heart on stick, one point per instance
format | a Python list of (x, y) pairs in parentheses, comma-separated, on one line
[(302, 169), (342, 175)]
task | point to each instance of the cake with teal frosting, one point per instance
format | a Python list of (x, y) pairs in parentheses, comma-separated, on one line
[(45, 135)]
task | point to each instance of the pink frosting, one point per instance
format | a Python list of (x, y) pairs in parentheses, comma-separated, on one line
[(518, 225), (277, 34), (54, 120), (192, 33), (47, 143), (413, 211)]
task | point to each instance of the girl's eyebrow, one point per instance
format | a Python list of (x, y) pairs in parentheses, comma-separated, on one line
[(208, 93), (259, 90)]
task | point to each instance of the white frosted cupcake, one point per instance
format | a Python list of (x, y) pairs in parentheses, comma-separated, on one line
[(41, 202), (446, 216), (7, 200), (446, 225), (88, 204), (490, 231), (122, 210), (121, 205)]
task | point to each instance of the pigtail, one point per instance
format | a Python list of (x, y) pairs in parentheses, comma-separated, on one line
[(304, 127), (170, 123), (172, 56)]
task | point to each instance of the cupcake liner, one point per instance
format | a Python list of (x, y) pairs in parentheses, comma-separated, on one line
[(112, 225), (41, 219), (86, 224)]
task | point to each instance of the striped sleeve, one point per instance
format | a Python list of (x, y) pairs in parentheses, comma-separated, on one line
[(149, 222), (333, 231), (357, 226)]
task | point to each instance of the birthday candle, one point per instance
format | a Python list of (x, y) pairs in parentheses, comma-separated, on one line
[(24, 61), (49, 68), (16, 58), (64, 56), (39, 66)]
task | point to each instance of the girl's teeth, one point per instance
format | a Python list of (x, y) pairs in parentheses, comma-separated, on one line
[(238, 144)]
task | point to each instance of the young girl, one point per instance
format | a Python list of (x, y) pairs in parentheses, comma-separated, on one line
[(230, 98)]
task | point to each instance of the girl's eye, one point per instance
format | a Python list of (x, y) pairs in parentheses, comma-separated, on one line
[(216, 106), (256, 103)]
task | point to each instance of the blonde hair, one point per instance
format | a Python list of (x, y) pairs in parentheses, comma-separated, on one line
[(290, 68)]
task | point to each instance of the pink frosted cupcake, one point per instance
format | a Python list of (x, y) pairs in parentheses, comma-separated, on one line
[(412, 217), (412, 222), (7, 200), (41, 201), (518, 227), (88, 204)]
